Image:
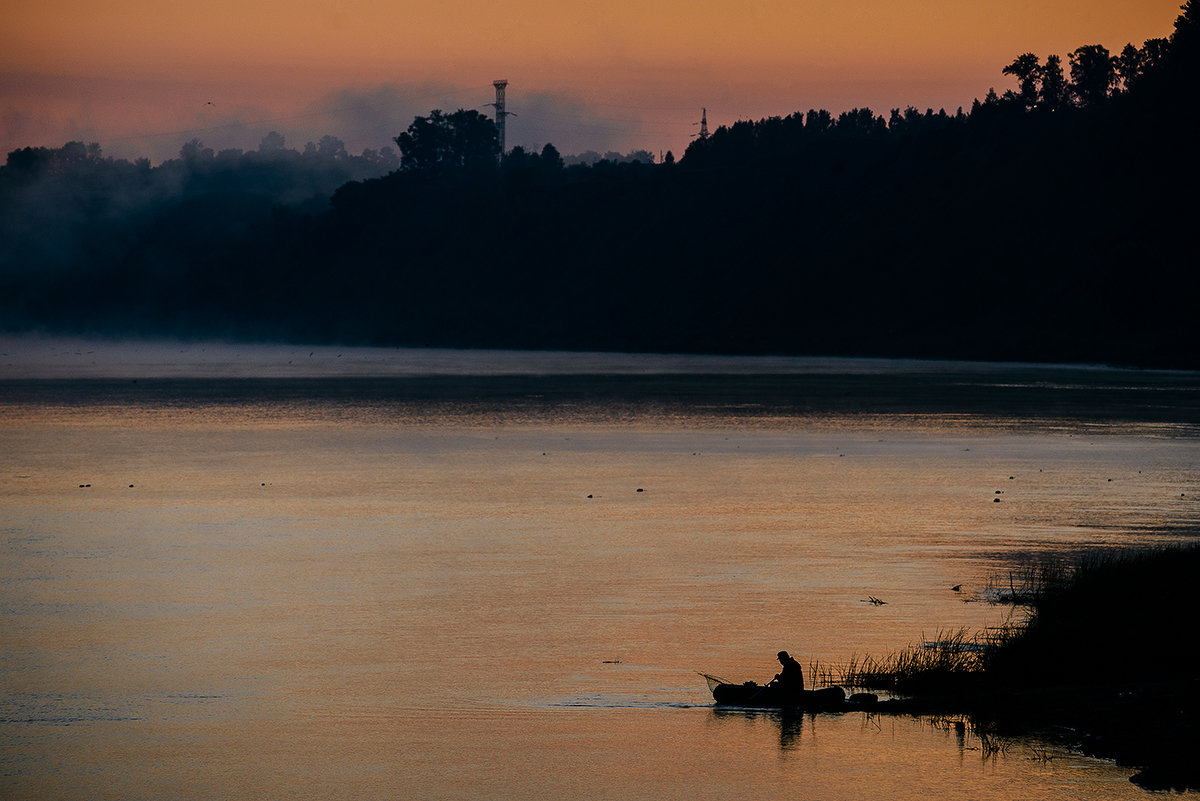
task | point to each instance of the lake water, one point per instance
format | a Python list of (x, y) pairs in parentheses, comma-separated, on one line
[(233, 572)]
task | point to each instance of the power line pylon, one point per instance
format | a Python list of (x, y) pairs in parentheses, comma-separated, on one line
[(500, 112)]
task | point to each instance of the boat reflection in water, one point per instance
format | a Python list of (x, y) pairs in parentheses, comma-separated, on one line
[(790, 721)]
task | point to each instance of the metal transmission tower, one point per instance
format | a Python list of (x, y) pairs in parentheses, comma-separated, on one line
[(703, 123), (500, 112)]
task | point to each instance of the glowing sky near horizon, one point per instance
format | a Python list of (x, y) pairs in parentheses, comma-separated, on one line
[(142, 76)]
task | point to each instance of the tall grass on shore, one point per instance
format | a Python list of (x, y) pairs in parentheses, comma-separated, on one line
[(1024, 584), (1104, 652), (950, 660), (1132, 608)]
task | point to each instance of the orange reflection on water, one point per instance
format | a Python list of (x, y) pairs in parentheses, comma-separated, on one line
[(317, 598)]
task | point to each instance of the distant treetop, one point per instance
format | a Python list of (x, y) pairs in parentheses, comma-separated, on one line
[(443, 141)]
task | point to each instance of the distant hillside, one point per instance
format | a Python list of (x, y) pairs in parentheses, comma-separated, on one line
[(1052, 223)]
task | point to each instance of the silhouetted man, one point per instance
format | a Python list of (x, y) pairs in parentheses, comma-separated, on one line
[(791, 678)]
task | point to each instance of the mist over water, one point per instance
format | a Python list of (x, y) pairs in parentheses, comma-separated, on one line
[(256, 572), (58, 357)]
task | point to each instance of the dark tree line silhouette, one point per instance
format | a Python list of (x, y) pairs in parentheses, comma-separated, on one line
[(1049, 223)]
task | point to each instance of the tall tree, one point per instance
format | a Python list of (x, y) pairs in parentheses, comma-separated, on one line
[(1128, 66), (441, 141), (551, 158), (1052, 91), (1154, 52), (1025, 69), (331, 147), (1092, 74), (1185, 45), (273, 142), (1187, 26)]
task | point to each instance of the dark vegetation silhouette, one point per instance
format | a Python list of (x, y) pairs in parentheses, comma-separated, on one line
[(1048, 223), (446, 142), (1098, 661)]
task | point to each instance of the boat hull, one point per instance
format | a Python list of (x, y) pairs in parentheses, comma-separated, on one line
[(771, 697)]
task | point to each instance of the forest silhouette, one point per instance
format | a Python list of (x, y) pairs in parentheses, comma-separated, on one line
[(1053, 222)]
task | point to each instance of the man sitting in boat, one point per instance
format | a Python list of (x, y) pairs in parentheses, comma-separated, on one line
[(791, 678)]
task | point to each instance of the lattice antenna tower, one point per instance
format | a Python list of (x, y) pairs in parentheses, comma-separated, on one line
[(501, 114)]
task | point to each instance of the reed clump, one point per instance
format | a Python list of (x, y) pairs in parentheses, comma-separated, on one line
[(1103, 649), (950, 661), (1109, 617), (1027, 582)]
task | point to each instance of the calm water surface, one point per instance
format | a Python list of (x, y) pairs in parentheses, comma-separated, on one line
[(456, 576)]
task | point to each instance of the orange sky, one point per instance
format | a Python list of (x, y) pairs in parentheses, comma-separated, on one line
[(143, 76)]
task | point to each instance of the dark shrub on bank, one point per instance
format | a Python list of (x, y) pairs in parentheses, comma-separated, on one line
[(1107, 652), (1118, 619), (1104, 659)]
